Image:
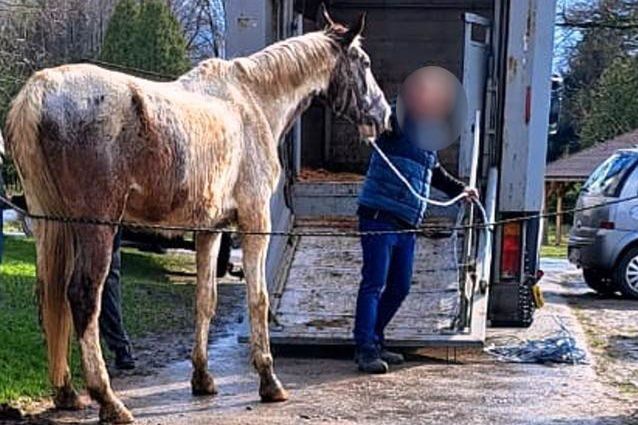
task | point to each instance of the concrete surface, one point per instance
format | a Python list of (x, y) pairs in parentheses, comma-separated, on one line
[(427, 390)]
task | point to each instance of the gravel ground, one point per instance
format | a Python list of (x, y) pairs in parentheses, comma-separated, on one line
[(611, 327), (427, 390)]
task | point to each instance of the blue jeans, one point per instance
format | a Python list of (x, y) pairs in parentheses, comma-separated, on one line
[(385, 280)]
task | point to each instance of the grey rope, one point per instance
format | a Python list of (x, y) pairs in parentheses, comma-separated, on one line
[(558, 347)]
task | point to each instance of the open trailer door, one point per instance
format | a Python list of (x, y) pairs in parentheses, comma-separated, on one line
[(313, 297), (313, 280), (313, 301)]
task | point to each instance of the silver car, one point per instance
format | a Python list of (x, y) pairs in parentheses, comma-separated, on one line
[(604, 240)]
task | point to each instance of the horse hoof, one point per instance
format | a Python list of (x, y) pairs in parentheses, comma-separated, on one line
[(271, 390), (66, 398), (115, 413), (203, 384)]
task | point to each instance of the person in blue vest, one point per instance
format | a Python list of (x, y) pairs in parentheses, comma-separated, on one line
[(421, 127)]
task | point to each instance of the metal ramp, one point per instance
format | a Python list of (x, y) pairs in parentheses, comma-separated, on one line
[(316, 302), (313, 293)]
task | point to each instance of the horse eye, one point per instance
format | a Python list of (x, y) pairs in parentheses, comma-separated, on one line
[(366, 63)]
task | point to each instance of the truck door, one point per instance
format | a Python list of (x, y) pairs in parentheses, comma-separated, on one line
[(525, 65), (475, 59)]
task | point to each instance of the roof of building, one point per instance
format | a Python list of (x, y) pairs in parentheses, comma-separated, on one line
[(578, 166)]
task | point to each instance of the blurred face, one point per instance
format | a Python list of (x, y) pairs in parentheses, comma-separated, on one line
[(430, 108), (429, 94)]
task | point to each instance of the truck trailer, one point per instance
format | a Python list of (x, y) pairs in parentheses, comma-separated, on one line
[(465, 279)]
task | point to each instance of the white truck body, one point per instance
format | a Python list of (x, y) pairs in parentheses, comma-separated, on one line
[(501, 50)]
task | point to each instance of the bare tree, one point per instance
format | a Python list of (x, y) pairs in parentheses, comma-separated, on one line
[(204, 25), (40, 33), (613, 16), (48, 32)]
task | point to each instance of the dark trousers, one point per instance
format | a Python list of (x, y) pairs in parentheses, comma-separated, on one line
[(385, 280), (223, 258), (111, 324)]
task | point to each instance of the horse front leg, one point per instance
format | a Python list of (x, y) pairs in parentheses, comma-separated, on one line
[(207, 248), (254, 251)]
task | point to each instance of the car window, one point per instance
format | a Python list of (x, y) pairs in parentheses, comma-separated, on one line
[(608, 178)]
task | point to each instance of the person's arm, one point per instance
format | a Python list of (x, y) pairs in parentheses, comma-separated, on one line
[(445, 182)]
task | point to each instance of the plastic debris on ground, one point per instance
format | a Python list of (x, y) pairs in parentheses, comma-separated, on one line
[(559, 348)]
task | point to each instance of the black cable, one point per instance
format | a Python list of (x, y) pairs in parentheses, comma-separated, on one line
[(422, 229)]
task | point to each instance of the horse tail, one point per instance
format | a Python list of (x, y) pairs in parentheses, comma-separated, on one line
[(55, 241), (56, 258), (24, 122)]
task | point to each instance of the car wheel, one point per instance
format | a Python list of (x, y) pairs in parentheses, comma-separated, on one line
[(599, 281), (626, 277)]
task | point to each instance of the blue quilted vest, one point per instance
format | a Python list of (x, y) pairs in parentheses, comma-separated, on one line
[(383, 190)]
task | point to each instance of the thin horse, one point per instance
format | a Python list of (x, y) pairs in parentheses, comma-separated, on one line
[(201, 150)]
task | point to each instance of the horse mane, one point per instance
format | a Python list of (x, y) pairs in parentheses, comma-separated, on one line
[(295, 69), (290, 63)]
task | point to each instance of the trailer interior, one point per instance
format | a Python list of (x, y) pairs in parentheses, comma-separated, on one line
[(313, 280)]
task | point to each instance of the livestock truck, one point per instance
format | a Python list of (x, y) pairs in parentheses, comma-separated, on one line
[(464, 280)]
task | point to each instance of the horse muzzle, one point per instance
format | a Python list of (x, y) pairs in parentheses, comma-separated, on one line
[(372, 127)]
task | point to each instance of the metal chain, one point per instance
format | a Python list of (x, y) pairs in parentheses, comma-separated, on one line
[(428, 227)]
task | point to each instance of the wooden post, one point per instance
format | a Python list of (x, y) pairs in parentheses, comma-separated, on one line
[(549, 191), (559, 216)]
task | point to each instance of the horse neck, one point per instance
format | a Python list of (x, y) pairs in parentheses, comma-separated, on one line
[(286, 76)]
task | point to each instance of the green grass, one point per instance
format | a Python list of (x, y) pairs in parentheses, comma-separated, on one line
[(551, 249), (554, 251), (12, 226), (157, 297)]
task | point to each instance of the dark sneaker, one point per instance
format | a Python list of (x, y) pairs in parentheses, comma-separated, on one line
[(124, 359), (390, 357), (371, 362)]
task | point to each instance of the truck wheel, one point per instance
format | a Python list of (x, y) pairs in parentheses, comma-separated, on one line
[(598, 281), (626, 274)]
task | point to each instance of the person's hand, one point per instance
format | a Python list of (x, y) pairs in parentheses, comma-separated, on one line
[(471, 194)]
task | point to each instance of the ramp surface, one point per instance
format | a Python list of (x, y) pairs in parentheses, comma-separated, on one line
[(315, 302)]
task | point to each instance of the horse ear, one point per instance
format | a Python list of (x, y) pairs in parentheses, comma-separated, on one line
[(356, 29), (324, 20)]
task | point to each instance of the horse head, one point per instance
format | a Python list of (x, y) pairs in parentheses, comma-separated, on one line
[(353, 92)]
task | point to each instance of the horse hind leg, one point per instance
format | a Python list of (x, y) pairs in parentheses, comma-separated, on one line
[(254, 250), (207, 249), (94, 246), (55, 259)]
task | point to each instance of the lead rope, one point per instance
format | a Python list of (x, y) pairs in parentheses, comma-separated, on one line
[(446, 204), (422, 198)]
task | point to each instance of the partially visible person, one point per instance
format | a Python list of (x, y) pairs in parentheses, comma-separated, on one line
[(111, 321), (386, 205), (224, 265)]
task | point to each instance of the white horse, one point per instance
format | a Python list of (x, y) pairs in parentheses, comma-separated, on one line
[(201, 150)]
